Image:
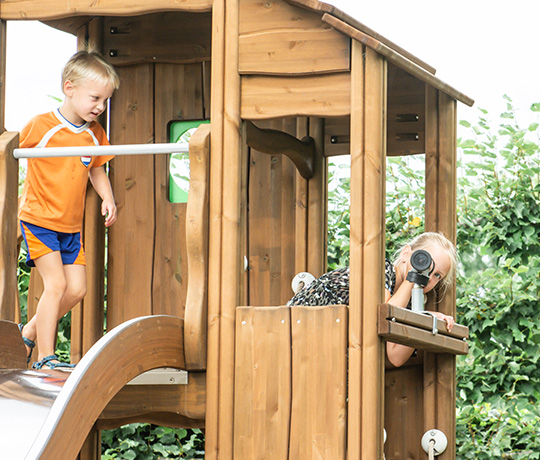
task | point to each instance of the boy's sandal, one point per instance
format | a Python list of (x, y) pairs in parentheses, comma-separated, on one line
[(47, 362), (29, 343)]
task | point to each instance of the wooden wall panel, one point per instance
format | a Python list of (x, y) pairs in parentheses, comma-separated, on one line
[(9, 174), (173, 37), (406, 113), (131, 238), (276, 97), (178, 94), (277, 38), (270, 226), (262, 383), (319, 383), (404, 412)]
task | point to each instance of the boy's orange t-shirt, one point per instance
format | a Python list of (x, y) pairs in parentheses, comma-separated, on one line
[(54, 192)]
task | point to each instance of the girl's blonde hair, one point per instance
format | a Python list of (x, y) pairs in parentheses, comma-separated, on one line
[(427, 239), (89, 65)]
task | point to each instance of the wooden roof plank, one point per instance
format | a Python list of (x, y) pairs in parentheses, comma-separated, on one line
[(326, 8), (397, 59), (56, 9)]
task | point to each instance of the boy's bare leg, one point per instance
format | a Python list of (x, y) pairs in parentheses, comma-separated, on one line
[(75, 290), (43, 324)]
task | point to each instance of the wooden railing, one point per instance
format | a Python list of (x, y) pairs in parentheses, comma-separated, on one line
[(421, 331)]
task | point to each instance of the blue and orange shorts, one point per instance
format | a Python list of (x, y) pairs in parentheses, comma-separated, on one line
[(41, 241)]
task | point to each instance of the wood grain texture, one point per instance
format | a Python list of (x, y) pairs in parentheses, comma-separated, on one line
[(262, 383), (277, 38), (278, 96), (131, 238), (319, 376), (9, 174), (276, 142), (169, 37), (197, 249), (47, 9), (140, 402), (215, 234), (12, 349), (366, 363), (397, 59), (327, 8)]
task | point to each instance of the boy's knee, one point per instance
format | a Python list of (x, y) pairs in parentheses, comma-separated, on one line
[(56, 287), (77, 293)]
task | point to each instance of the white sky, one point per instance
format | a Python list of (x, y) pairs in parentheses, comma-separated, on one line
[(483, 48)]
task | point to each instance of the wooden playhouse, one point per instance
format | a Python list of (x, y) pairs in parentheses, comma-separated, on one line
[(201, 285)]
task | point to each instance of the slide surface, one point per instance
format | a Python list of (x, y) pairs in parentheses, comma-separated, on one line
[(47, 414)]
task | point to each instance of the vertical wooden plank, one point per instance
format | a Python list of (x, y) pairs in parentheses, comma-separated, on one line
[(317, 204), (368, 151), (178, 90), (301, 208), (9, 174), (319, 382), (441, 178), (215, 239), (262, 383), (231, 260), (77, 323), (404, 412), (3, 37), (131, 238), (288, 243), (432, 224)]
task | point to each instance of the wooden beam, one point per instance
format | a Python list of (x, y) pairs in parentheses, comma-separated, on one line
[(278, 38), (274, 142), (212, 430), (415, 330), (197, 249), (397, 59), (366, 354), (278, 96), (9, 180), (55, 9), (420, 320), (441, 179), (169, 37)]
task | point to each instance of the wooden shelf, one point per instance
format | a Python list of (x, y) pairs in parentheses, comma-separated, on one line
[(416, 330)]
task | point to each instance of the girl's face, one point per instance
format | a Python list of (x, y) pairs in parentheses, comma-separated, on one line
[(441, 260), (86, 101)]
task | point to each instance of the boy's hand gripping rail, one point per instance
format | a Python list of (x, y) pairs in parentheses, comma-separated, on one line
[(101, 150)]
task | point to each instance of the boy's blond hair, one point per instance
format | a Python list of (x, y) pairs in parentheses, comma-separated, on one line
[(89, 65)]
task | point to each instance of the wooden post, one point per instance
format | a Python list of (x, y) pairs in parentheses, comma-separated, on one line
[(9, 174), (440, 370), (225, 229), (368, 149), (317, 203)]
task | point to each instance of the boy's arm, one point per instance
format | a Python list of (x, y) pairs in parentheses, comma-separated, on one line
[(100, 182)]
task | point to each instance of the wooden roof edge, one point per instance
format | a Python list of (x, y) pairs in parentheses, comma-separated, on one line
[(396, 58), (330, 9), (53, 10)]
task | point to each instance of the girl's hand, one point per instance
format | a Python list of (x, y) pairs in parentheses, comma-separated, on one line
[(448, 319)]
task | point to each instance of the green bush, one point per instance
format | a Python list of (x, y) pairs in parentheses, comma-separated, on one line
[(142, 441)]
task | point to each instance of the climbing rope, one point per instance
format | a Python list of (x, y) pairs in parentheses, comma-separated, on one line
[(431, 450)]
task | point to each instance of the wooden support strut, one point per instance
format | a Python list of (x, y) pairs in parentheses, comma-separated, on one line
[(274, 142)]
